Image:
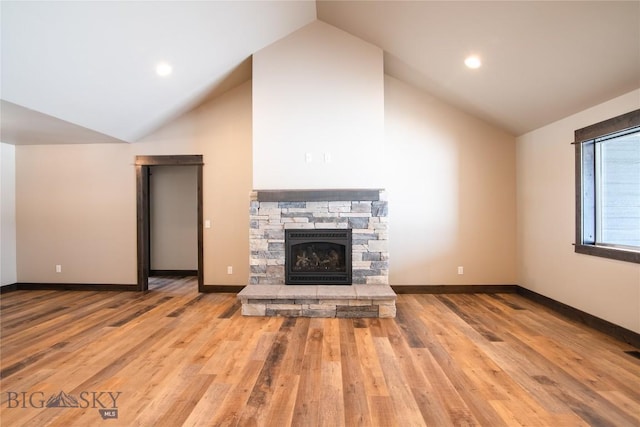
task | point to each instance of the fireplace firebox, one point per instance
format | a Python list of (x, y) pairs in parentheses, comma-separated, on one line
[(317, 256)]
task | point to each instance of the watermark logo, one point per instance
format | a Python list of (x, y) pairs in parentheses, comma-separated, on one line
[(106, 402), (62, 400)]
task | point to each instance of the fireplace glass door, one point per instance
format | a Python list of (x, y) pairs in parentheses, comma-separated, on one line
[(318, 256)]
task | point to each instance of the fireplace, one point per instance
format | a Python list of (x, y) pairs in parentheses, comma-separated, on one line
[(363, 212), (318, 256), (316, 238)]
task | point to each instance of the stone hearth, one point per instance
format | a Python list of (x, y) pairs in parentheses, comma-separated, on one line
[(364, 212), (318, 300)]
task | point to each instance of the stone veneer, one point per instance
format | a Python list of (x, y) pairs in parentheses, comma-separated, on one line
[(318, 301), (366, 218), (363, 211)]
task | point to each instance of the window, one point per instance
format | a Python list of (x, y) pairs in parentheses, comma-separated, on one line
[(608, 188)]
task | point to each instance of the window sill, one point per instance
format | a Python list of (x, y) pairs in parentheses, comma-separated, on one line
[(607, 252)]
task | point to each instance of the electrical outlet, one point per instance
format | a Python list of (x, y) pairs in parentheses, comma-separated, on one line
[(58, 268), (229, 269), (460, 270)]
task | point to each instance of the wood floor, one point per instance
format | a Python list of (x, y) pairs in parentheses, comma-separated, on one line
[(173, 357)]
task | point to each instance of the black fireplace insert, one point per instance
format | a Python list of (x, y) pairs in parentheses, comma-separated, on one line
[(317, 256)]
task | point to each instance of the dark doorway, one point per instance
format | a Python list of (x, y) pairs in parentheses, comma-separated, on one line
[(173, 233), (143, 169)]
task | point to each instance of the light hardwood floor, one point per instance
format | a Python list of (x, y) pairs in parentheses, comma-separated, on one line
[(173, 357)]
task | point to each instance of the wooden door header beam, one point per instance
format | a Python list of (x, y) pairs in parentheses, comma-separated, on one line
[(173, 160)]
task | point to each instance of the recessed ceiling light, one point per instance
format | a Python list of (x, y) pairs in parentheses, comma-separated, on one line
[(163, 69), (473, 62)]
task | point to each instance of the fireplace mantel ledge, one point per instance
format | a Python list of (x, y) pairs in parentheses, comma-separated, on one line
[(318, 300), (319, 195)]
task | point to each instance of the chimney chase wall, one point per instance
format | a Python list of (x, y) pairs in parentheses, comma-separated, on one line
[(318, 112)]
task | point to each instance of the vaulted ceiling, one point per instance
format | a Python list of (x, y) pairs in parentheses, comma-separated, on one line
[(78, 72)]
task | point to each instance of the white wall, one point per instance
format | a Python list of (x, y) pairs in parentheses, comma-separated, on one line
[(8, 275), (452, 193), (547, 263), (318, 90), (174, 217)]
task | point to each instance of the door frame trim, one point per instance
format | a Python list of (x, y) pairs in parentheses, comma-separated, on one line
[(143, 165)]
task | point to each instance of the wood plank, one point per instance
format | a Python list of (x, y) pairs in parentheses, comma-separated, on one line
[(357, 412), (306, 410), (382, 412), (280, 412), (405, 407), (265, 385), (374, 381), (331, 404)]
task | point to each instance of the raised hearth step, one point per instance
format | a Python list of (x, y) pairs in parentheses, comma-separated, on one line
[(316, 291), (318, 300)]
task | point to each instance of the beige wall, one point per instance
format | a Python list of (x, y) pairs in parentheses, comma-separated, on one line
[(76, 204), (318, 91), (451, 177), (8, 275), (451, 193), (75, 207), (547, 263), (173, 217)]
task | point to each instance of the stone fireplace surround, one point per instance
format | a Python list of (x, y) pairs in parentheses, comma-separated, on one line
[(363, 211)]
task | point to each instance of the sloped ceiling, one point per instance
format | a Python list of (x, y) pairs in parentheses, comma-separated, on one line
[(85, 71), (92, 64), (542, 60)]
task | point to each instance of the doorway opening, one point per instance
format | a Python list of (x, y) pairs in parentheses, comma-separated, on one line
[(144, 165)]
